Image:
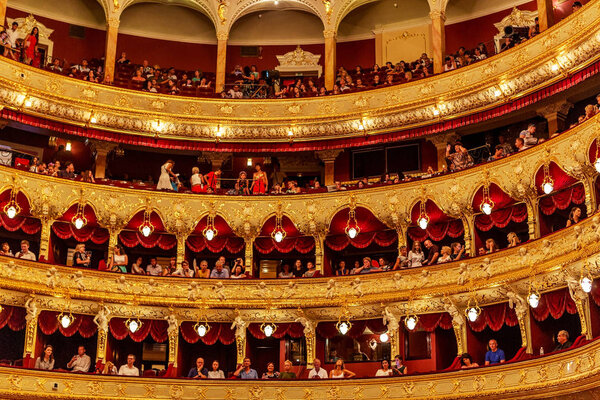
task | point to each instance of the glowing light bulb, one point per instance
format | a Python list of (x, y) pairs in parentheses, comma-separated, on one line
[(68, 146), (28, 103), (597, 165), (586, 284), (534, 300), (79, 223), (133, 326), (436, 112), (11, 212), (384, 337), (202, 330), (352, 233), (497, 93), (146, 231), (278, 236), (548, 187), (423, 223), (411, 323), (555, 67), (93, 120), (65, 321), (486, 208), (472, 314), (276, 2), (268, 330), (210, 234), (343, 328)]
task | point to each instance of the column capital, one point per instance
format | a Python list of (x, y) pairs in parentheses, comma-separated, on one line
[(101, 147), (328, 155), (222, 36), (437, 14), (557, 109), (113, 21), (216, 158), (329, 34), (440, 141)]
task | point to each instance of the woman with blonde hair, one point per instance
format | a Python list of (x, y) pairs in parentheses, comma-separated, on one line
[(109, 369), (340, 371), (80, 257), (513, 239), (416, 255), (446, 255), (491, 246), (196, 181)]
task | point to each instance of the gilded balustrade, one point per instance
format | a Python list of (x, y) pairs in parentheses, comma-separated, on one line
[(567, 47)]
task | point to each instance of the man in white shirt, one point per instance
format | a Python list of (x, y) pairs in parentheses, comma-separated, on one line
[(25, 254), (527, 135), (236, 93), (184, 271), (80, 362), (129, 369), (13, 34), (153, 268), (317, 372)]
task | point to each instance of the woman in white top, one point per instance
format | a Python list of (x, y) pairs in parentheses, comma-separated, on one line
[(46, 360), (136, 267), (166, 173), (446, 257), (416, 256), (237, 272), (119, 261), (286, 272), (340, 371), (216, 373), (196, 181), (385, 369)]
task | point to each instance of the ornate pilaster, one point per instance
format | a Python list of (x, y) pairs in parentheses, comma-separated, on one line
[(458, 325), (31, 323), (249, 253), (556, 115), (582, 301), (101, 320), (545, 14), (468, 221), (591, 201), (328, 157), (330, 44), (221, 60), (440, 142), (216, 158), (309, 336), (3, 10), (113, 240), (101, 150), (532, 217), (393, 326), (173, 334), (45, 238), (110, 55), (240, 336), (319, 252), (438, 39), (379, 47)]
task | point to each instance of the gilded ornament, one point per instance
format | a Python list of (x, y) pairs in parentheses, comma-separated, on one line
[(358, 392), (294, 109), (201, 393), (409, 388), (122, 101), (16, 381), (308, 394), (229, 394), (54, 86), (385, 391), (40, 385), (456, 386), (255, 393), (150, 391), (176, 392), (121, 390), (89, 93), (68, 387), (333, 393), (95, 388), (158, 105)]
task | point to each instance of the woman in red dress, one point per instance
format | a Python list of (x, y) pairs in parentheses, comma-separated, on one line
[(259, 181), (31, 42)]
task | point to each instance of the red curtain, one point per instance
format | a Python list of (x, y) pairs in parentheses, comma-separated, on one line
[(14, 317), (294, 329), (430, 322), (437, 232), (497, 195), (327, 330), (554, 304), (365, 219), (495, 317), (233, 244), (303, 244), (66, 230), (362, 240), (561, 178), (84, 324), (218, 331), (132, 239), (27, 224), (563, 199), (286, 223), (138, 219), (88, 213), (501, 218), (155, 328)]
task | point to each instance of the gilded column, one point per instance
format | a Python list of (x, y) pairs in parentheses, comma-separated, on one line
[(309, 336), (101, 320), (181, 238), (591, 201), (31, 323), (393, 330), (101, 150), (216, 158), (110, 55), (468, 221), (45, 238), (240, 336), (556, 115), (379, 50), (441, 142), (113, 240), (532, 217), (582, 301), (221, 61), (330, 43), (545, 14), (438, 39), (328, 157), (173, 334), (459, 325), (3, 11), (320, 252), (401, 232), (249, 253)]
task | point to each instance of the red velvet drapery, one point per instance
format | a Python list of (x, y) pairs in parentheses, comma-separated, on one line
[(303, 244), (440, 225), (495, 317), (362, 240), (218, 331), (12, 316), (554, 304), (563, 199), (28, 225), (429, 322), (84, 324), (132, 239), (561, 179), (327, 330), (155, 328), (501, 218), (294, 330), (66, 230), (233, 244), (500, 198)]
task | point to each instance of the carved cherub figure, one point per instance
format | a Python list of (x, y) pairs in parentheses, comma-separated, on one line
[(331, 289), (101, 319), (357, 286), (240, 326), (457, 317), (31, 309), (390, 320), (51, 277)]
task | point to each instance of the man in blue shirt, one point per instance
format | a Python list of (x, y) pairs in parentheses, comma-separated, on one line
[(494, 355), (245, 372), (198, 372)]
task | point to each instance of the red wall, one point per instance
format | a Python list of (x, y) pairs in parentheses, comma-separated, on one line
[(65, 47), (359, 52)]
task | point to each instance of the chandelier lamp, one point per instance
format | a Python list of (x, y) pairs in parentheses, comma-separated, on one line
[(202, 327), (586, 279), (597, 162), (487, 204), (352, 228), (278, 233), (133, 325), (343, 325), (423, 220), (209, 232), (472, 311), (79, 220), (66, 319), (548, 182), (268, 328), (146, 228), (12, 209)]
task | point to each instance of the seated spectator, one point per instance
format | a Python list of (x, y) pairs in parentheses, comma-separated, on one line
[(367, 267), (298, 269), (466, 361), (80, 362), (287, 373), (87, 176), (271, 373), (449, 63), (494, 354), (46, 360), (323, 92), (68, 172), (25, 254), (520, 144), (204, 84), (276, 189), (170, 269), (461, 158), (5, 250), (136, 267), (402, 259), (199, 371), (118, 262), (513, 239), (203, 271), (237, 272), (286, 272), (184, 271), (215, 373), (398, 366), (213, 179), (577, 6), (310, 270), (383, 264), (153, 268), (389, 80), (343, 85), (574, 216), (339, 371), (244, 371), (376, 81), (123, 59), (138, 77), (527, 136), (491, 246), (109, 369), (129, 369), (145, 66), (91, 77), (563, 341), (508, 43), (415, 255), (341, 269), (317, 372), (80, 257), (235, 92), (219, 272), (83, 68), (458, 251), (338, 186), (445, 255), (149, 87), (73, 73), (385, 369), (56, 66), (590, 111), (433, 252), (172, 87), (498, 153)]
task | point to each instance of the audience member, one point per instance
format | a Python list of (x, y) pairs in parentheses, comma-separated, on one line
[(129, 369), (119, 261), (171, 268), (402, 260), (339, 371), (244, 371), (25, 254), (311, 271), (203, 271), (68, 172), (494, 354), (367, 267), (527, 136), (317, 372), (237, 272), (385, 369), (341, 269), (81, 258), (46, 360), (286, 272), (153, 268), (271, 373), (219, 272), (433, 252), (80, 362), (398, 366), (416, 256), (445, 255), (109, 369), (199, 371), (5, 250), (136, 267), (184, 271), (215, 373), (466, 361), (574, 216), (513, 239), (287, 372), (563, 341), (458, 251)]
